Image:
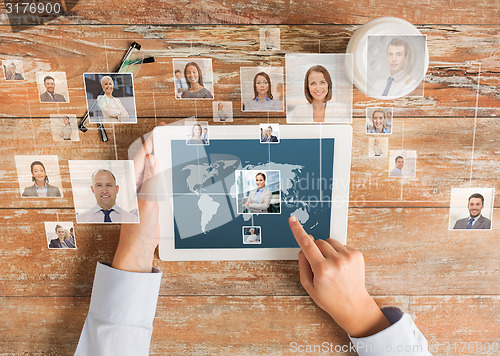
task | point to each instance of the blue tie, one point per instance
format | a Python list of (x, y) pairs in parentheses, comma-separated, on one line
[(53, 97), (106, 214), (388, 86), (469, 225)]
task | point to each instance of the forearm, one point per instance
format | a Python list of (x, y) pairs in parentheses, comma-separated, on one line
[(121, 313), (361, 319), (133, 256), (400, 338)]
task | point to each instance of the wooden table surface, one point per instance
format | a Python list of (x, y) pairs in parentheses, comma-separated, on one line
[(448, 281)]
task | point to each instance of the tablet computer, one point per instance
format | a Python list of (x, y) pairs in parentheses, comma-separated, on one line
[(229, 197)]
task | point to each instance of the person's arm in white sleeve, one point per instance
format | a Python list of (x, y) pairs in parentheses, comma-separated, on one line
[(334, 276), (402, 338), (124, 295), (121, 313)]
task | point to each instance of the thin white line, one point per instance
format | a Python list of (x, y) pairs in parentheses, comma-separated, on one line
[(475, 126), (268, 117), (402, 148), (252, 220), (114, 142), (106, 55), (195, 109), (198, 165), (32, 123), (269, 156), (154, 107), (319, 46), (321, 160)]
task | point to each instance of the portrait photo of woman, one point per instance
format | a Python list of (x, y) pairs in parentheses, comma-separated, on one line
[(378, 120), (110, 98), (198, 76), (258, 192), (41, 186), (269, 133), (251, 235), (64, 127), (323, 95), (62, 240), (59, 236), (38, 176), (222, 111), (110, 106), (13, 70), (198, 134), (269, 39), (259, 87)]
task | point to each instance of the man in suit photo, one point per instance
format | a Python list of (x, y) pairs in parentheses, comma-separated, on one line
[(106, 210), (475, 220), (399, 81), (50, 95)]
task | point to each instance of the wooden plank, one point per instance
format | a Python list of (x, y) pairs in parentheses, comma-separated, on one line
[(448, 323), (411, 251), (450, 88), (402, 247), (183, 325), (246, 325), (273, 12)]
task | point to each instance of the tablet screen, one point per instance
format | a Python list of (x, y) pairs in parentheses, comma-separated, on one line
[(228, 195), (212, 185)]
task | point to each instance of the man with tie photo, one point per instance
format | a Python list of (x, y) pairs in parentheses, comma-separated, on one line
[(475, 220), (106, 210), (399, 81), (50, 95)]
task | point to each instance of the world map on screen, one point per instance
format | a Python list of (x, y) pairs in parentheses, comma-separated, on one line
[(205, 194)]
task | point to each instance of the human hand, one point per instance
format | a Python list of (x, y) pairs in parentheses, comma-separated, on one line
[(135, 251), (334, 276)]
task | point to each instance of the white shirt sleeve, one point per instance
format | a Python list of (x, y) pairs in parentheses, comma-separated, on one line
[(121, 313), (401, 338)]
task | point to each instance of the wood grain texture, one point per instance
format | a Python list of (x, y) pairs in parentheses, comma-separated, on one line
[(274, 12), (257, 325), (397, 258)]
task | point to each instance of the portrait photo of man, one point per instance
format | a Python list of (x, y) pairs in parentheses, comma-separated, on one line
[(47, 84), (395, 65), (402, 163), (107, 195), (475, 219), (397, 171)]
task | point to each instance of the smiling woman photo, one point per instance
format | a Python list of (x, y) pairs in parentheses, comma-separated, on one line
[(259, 199), (194, 79), (111, 107), (318, 91), (41, 186), (379, 123)]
